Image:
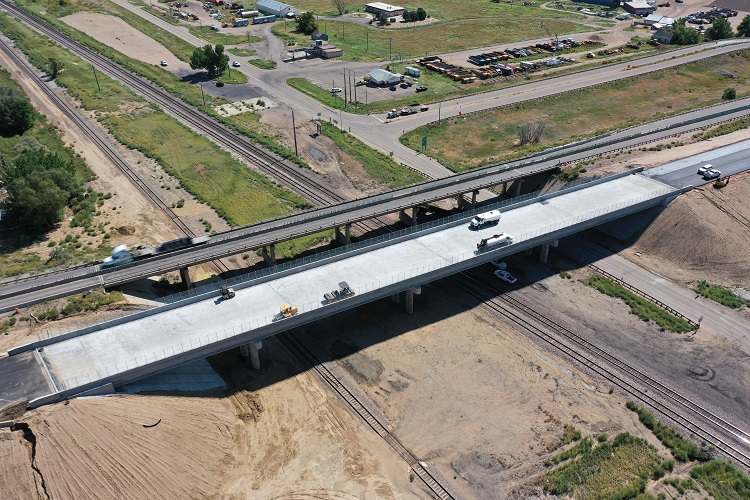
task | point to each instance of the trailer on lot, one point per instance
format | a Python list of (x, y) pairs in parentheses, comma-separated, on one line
[(263, 19)]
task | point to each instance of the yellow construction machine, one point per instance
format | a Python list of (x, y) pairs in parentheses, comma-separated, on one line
[(287, 311), (721, 182)]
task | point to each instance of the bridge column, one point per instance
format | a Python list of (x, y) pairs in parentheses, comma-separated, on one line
[(185, 277), (396, 298), (406, 219), (505, 187), (269, 254), (251, 350), (346, 237), (460, 201), (474, 198), (544, 253), (410, 293), (517, 191)]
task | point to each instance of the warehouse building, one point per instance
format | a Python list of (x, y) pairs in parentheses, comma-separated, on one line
[(274, 8), (379, 8), (639, 8)]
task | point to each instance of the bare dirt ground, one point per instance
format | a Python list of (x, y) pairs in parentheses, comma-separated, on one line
[(475, 399)]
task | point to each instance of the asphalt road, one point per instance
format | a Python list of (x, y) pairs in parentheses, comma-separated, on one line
[(22, 378)]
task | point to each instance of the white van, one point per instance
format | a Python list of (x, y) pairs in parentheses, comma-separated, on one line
[(492, 217)]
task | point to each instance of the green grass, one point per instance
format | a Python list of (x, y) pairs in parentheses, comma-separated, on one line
[(724, 128), (263, 63), (721, 295), (641, 307), (209, 173), (232, 76), (242, 52), (291, 249), (325, 96), (492, 135), (682, 449), (722, 480), (584, 446), (448, 10), (610, 470), (375, 163), (364, 43)]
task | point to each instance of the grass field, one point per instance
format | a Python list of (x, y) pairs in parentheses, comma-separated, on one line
[(721, 295), (449, 10), (215, 37), (641, 307), (363, 43), (263, 63), (610, 470), (375, 163), (242, 52), (489, 136), (238, 194)]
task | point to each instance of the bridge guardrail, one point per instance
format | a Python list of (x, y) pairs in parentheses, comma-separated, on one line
[(116, 374)]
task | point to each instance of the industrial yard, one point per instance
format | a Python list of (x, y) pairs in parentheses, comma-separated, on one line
[(471, 393)]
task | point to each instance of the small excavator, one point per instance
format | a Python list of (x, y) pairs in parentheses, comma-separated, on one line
[(721, 182)]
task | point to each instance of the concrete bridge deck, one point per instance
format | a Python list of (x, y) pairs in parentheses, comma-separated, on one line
[(167, 337)]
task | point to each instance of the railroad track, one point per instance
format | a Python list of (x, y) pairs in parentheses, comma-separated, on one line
[(682, 412), (298, 349), (106, 148)]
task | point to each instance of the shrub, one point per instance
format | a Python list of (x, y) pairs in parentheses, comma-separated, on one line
[(729, 94)]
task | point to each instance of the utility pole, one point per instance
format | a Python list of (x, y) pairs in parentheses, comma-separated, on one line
[(203, 95), (344, 87), (390, 48), (294, 130), (96, 78), (367, 35), (440, 107), (355, 86)]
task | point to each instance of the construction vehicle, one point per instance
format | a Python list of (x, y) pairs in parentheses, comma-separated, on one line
[(227, 293), (721, 182), (344, 292), (287, 311), (554, 41)]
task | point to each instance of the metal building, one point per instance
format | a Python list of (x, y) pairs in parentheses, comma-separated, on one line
[(274, 8)]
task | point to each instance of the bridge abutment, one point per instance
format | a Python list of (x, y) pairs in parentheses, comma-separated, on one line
[(406, 219)]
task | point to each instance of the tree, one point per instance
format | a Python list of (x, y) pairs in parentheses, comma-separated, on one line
[(684, 35), (212, 59), (382, 18), (616, 4), (39, 185), (53, 68), (306, 23), (719, 30), (340, 5), (743, 29), (421, 14), (729, 94), (16, 112)]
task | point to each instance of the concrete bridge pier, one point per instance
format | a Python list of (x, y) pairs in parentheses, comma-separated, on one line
[(407, 219), (410, 293), (505, 187), (185, 277), (517, 191), (251, 350), (544, 253), (460, 201), (474, 199), (346, 237), (269, 254)]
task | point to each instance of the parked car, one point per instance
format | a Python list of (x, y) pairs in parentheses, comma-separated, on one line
[(711, 174), (163, 63), (392, 88), (236, 64), (421, 88), (500, 264), (505, 276), (219, 84), (335, 90), (704, 169)]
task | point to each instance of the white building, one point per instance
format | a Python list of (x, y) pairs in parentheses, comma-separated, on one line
[(274, 8), (378, 8), (382, 77)]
